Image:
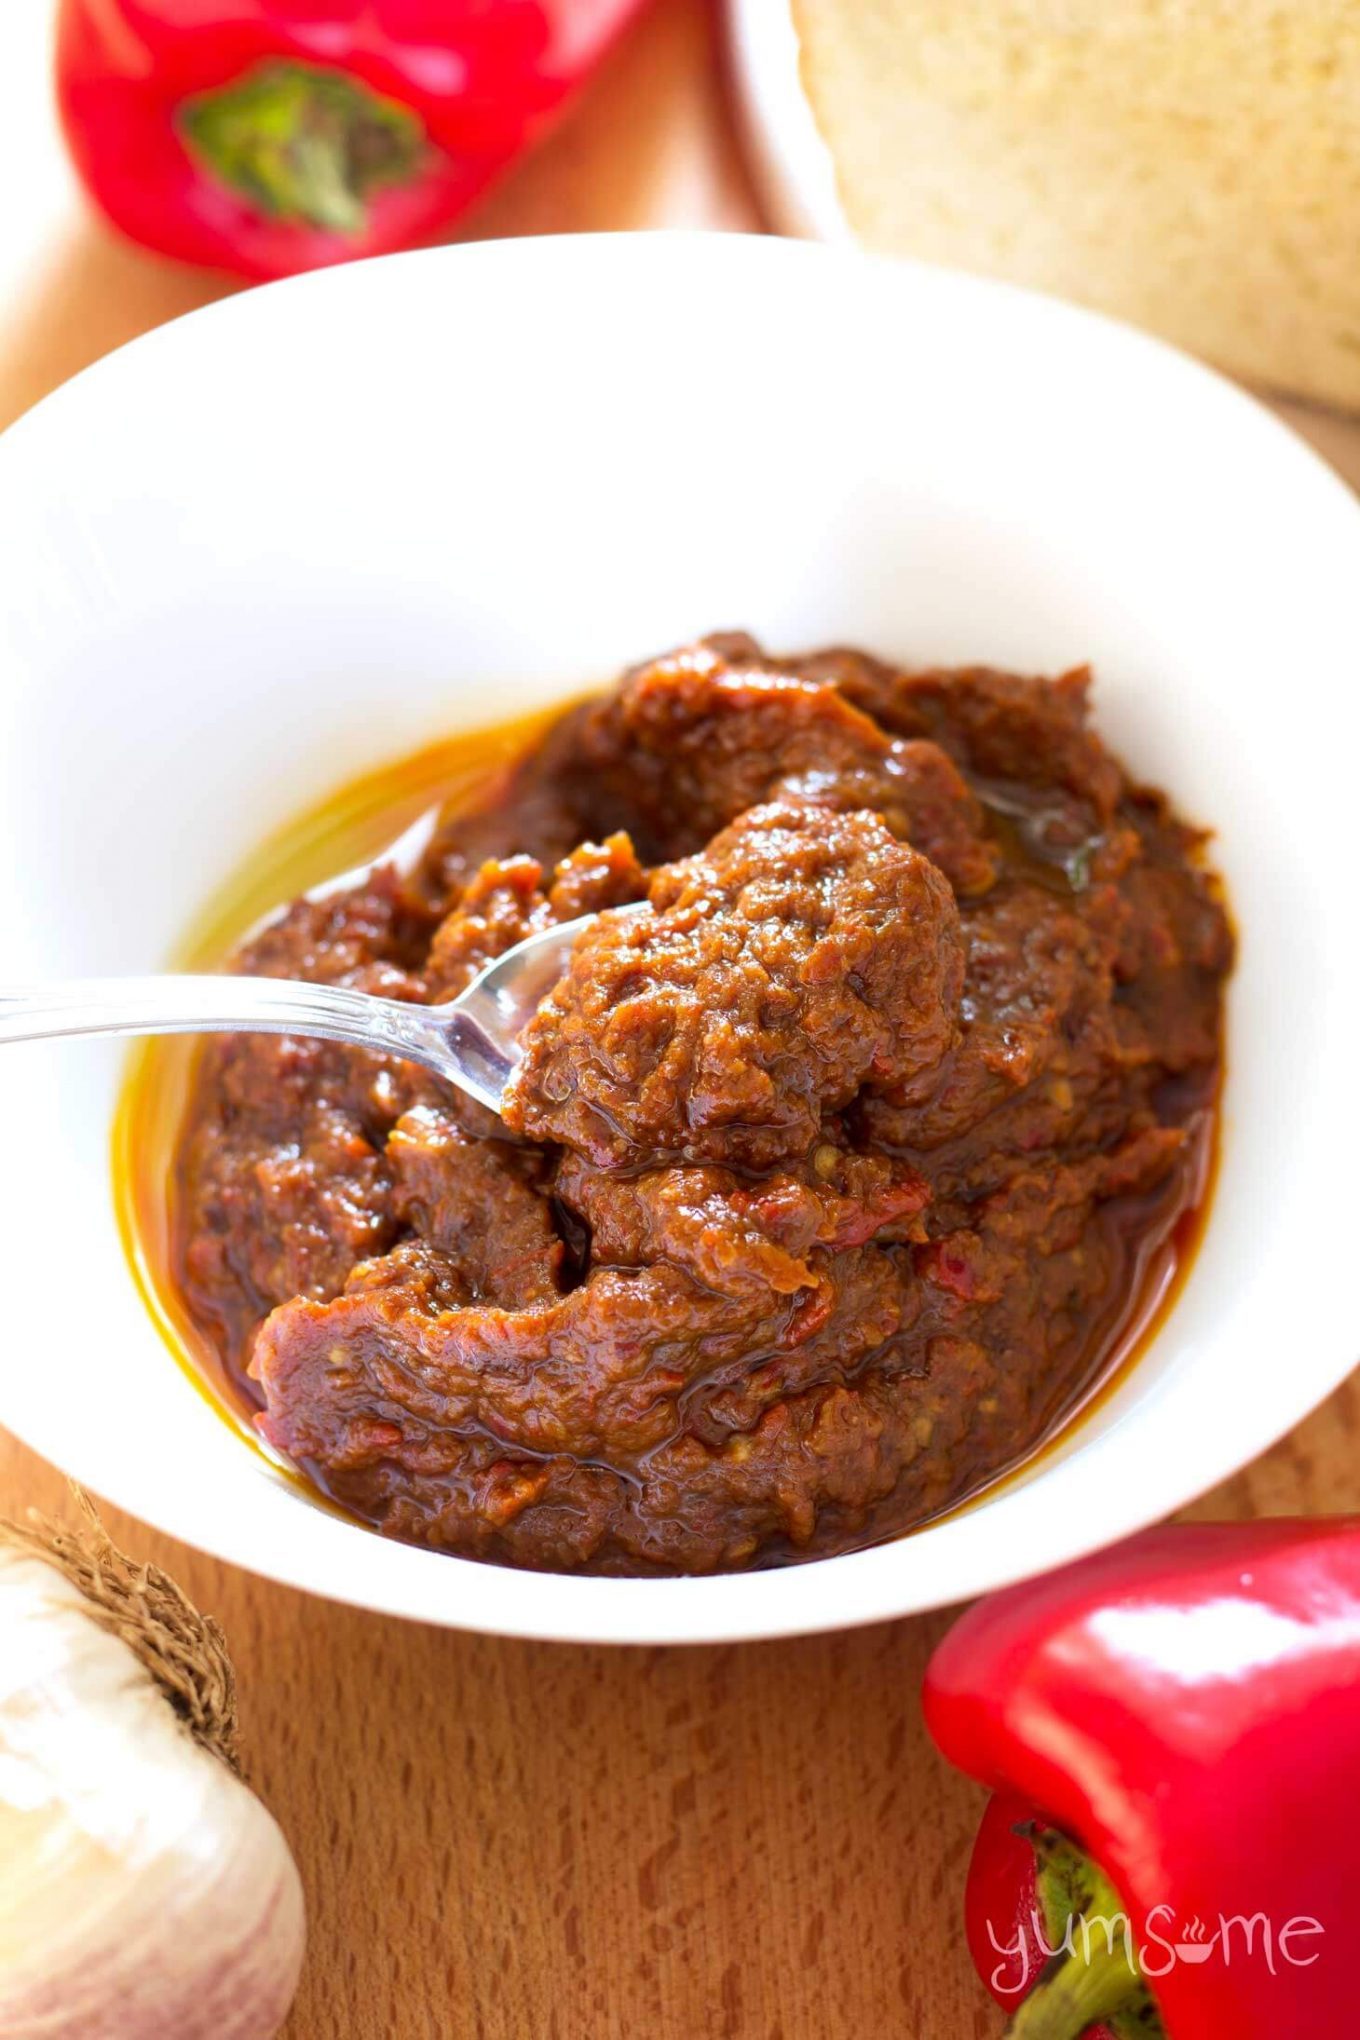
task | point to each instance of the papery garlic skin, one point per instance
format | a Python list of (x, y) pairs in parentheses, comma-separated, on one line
[(144, 1890)]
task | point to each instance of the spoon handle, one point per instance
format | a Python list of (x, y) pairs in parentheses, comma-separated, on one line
[(434, 1036)]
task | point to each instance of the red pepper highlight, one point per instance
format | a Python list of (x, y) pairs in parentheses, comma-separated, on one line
[(1186, 1709), (268, 136)]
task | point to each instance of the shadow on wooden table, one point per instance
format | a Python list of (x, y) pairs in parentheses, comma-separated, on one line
[(94, 292)]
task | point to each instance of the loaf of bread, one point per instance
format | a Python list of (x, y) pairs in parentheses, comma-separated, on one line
[(1191, 165)]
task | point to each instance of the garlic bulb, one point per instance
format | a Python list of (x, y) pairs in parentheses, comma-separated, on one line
[(144, 1889)]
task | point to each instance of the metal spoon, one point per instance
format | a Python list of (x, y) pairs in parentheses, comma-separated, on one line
[(472, 1042)]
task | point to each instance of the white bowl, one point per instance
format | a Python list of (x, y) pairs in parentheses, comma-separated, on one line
[(312, 528)]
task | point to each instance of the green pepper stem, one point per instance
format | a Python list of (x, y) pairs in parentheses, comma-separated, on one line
[(1078, 1990), (1094, 1977), (304, 144)]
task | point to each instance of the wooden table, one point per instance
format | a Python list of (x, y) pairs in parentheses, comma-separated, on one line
[(529, 1842)]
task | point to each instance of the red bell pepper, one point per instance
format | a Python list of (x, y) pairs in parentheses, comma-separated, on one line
[(1175, 1724), (266, 136)]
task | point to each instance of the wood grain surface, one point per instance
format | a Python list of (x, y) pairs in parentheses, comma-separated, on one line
[(504, 1841)]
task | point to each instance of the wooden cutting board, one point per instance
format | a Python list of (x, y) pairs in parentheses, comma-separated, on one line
[(505, 1841)]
